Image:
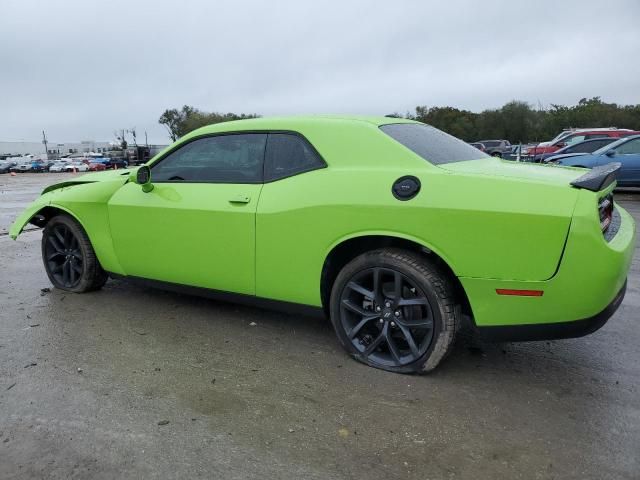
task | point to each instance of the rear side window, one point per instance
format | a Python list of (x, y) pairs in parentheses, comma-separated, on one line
[(288, 154), (432, 144)]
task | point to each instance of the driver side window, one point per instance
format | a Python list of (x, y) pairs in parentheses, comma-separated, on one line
[(235, 158)]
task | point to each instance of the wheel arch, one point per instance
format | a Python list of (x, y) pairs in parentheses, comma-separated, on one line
[(100, 238), (346, 249), (46, 213)]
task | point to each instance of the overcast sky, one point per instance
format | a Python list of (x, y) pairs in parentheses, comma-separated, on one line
[(82, 68)]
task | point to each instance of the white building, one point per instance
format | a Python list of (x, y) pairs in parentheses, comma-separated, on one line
[(53, 149)]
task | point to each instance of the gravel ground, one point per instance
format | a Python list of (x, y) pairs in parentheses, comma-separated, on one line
[(131, 382)]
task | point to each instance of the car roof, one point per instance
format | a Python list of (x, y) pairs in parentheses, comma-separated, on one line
[(292, 122)]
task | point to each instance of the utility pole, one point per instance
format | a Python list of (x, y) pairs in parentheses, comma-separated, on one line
[(44, 141), (146, 142)]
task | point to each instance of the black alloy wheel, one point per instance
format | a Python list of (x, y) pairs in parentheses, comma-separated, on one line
[(386, 316), (69, 259), (63, 256), (395, 309)]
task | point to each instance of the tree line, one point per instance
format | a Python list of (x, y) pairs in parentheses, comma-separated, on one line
[(515, 121)]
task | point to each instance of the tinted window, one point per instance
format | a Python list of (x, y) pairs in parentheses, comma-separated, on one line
[(630, 147), (596, 135), (432, 144), (588, 147), (492, 144), (219, 159), (289, 154)]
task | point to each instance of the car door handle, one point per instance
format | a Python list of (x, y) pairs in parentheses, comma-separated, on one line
[(240, 199)]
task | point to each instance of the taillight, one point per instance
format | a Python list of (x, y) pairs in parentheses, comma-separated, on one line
[(605, 210)]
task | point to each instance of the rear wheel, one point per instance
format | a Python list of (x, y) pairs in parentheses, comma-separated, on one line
[(394, 310), (69, 259)]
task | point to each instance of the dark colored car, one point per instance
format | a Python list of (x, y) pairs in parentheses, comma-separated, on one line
[(586, 146), (496, 148), (40, 166), (117, 162), (5, 166), (626, 151)]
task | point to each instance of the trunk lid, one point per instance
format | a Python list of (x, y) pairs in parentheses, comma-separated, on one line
[(531, 172)]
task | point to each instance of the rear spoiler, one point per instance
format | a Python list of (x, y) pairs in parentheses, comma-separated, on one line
[(598, 178)]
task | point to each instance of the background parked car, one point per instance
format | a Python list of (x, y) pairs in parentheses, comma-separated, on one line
[(58, 166), (39, 166), (22, 166), (586, 146), (578, 135), (5, 166), (97, 166), (496, 148), (77, 166), (478, 145), (118, 162), (626, 151)]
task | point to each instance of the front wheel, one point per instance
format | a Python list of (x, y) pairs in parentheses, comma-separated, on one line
[(395, 310), (69, 259)]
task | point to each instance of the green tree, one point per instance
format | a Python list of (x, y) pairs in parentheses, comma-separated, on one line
[(180, 122)]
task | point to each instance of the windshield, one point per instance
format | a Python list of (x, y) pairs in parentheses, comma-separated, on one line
[(432, 144), (561, 135)]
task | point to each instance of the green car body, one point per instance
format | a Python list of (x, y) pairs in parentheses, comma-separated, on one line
[(496, 226)]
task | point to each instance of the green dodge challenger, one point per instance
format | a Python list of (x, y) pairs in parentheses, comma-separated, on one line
[(392, 228)]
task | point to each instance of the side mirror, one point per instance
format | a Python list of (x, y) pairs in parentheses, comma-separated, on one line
[(143, 178), (610, 153)]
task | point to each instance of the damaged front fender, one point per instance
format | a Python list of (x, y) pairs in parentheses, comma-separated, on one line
[(25, 217)]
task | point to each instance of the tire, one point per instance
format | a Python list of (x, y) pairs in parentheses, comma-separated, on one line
[(69, 259), (376, 326), (496, 154)]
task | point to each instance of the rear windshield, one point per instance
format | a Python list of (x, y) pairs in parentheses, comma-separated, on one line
[(432, 144)]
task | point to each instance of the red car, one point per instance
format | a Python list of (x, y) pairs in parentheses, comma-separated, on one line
[(96, 166), (568, 137)]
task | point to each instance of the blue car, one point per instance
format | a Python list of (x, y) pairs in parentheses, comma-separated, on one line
[(626, 151)]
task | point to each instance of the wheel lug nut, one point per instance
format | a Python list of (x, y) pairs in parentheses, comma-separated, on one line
[(393, 324), (378, 309), (387, 304), (397, 313), (381, 321)]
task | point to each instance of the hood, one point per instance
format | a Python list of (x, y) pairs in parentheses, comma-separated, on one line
[(589, 158), (93, 177), (531, 172)]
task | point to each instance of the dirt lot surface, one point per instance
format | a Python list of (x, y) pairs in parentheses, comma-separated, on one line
[(131, 382)]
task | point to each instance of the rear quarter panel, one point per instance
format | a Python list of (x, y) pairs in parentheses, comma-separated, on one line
[(482, 226)]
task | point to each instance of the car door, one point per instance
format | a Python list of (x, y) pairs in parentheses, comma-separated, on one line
[(197, 225), (628, 154)]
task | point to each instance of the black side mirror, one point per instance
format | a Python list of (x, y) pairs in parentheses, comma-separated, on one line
[(143, 178), (610, 153)]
